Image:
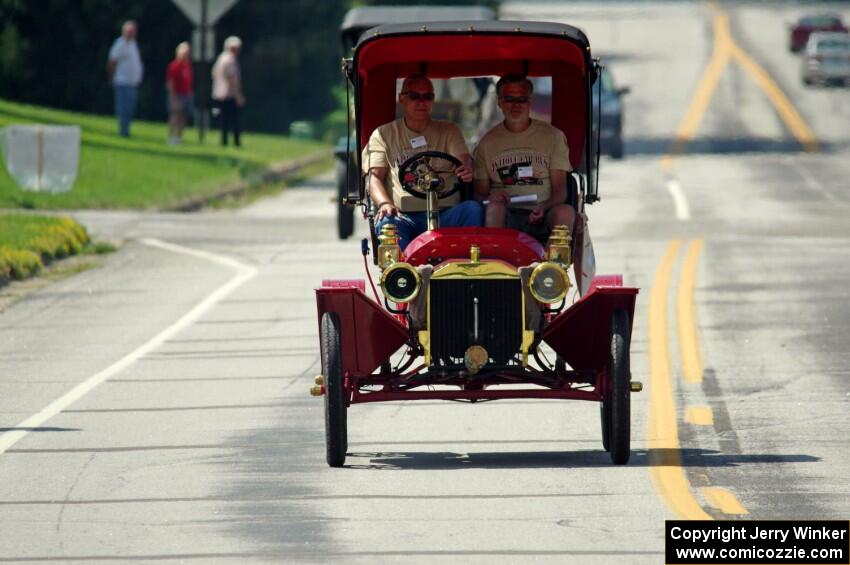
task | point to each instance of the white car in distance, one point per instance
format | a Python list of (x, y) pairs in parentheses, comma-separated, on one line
[(827, 59)]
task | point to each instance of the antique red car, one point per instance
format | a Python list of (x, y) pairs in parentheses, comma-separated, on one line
[(474, 314)]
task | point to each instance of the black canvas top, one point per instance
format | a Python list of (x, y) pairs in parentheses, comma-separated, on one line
[(366, 17), (358, 20), (551, 29)]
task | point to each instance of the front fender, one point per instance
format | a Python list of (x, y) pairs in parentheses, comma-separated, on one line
[(581, 334), (369, 333)]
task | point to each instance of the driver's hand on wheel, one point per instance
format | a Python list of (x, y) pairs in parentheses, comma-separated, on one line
[(464, 172), (386, 209), (537, 214)]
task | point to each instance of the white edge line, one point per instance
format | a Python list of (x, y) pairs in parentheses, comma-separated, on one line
[(244, 274), (813, 183), (680, 201)]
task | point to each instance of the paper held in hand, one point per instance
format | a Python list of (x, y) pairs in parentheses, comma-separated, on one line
[(519, 199)]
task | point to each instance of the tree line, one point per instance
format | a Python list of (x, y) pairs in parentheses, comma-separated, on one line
[(53, 53)]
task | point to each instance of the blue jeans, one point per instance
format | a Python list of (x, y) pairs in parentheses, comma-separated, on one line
[(125, 106), (467, 214)]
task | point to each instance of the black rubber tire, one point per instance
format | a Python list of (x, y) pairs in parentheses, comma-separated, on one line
[(344, 214), (336, 417), (618, 397)]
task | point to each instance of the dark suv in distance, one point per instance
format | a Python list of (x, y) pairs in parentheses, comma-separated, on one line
[(610, 101), (605, 95)]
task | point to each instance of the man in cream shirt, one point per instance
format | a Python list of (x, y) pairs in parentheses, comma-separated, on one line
[(392, 143), (523, 157)]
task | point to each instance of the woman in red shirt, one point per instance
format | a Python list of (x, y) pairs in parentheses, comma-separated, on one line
[(178, 82)]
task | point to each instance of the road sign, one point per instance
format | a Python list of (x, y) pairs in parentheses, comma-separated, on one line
[(204, 14), (208, 45), (42, 158), (194, 9)]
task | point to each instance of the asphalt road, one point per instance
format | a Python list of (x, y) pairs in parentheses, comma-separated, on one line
[(156, 409)]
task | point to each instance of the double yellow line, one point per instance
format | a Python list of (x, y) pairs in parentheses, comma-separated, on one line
[(725, 49), (668, 475), (663, 433), (665, 458)]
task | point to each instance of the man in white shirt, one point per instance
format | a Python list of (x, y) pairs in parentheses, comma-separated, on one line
[(125, 68), (227, 88)]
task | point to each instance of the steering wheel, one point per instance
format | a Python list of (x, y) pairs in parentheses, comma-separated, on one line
[(427, 171)]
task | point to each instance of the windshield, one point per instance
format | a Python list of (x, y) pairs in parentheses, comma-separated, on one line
[(833, 44), (468, 102), (820, 21)]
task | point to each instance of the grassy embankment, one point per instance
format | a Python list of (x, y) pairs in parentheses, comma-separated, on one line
[(139, 173), (143, 172)]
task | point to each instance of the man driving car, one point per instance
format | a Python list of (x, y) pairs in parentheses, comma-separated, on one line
[(523, 157), (393, 143)]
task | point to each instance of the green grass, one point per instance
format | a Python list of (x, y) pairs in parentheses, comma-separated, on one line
[(28, 241), (143, 172), (262, 190)]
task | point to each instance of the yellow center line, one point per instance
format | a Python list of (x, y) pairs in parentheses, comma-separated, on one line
[(705, 90), (662, 433), (783, 105), (665, 457), (724, 49), (688, 338), (699, 415), (723, 500)]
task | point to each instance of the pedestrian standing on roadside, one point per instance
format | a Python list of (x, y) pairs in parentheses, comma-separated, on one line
[(227, 88), (179, 83), (126, 70)]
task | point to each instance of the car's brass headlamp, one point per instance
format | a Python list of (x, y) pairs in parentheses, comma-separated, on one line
[(400, 282), (388, 250), (549, 282)]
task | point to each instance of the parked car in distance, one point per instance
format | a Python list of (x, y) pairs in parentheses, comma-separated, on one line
[(605, 95), (827, 59), (609, 104), (808, 25)]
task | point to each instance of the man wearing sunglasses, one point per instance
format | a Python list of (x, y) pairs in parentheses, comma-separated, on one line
[(523, 157), (391, 144)]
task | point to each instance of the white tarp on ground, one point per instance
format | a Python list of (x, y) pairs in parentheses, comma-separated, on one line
[(42, 158)]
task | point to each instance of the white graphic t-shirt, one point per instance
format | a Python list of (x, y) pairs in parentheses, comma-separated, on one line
[(392, 143), (520, 162)]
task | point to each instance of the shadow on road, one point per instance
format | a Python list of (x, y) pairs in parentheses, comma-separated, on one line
[(45, 429), (564, 459), (648, 146)]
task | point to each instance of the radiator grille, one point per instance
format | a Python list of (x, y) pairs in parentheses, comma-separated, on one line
[(452, 312)]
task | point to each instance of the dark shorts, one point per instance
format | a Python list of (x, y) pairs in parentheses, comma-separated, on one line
[(185, 104), (518, 220)]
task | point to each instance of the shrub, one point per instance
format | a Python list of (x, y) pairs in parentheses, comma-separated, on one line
[(28, 241)]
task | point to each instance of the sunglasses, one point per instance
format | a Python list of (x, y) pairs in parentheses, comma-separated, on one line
[(413, 95), (517, 99)]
